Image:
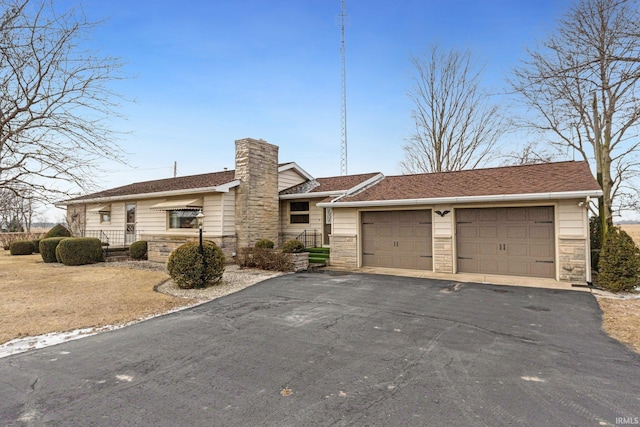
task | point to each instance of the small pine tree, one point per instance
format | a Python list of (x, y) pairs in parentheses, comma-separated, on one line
[(619, 262)]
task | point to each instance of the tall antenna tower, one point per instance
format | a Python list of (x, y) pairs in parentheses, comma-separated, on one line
[(343, 110)]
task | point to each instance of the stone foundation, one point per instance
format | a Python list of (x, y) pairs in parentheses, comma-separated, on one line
[(442, 255), (344, 251), (160, 247), (572, 259)]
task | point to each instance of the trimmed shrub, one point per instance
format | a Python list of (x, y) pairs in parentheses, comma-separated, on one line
[(48, 248), (80, 251), (264, 244), (619, 262), (138, 250), (189, 269), (58, 231), (292, 246), (22, 247), (265, 259), (36, 244)]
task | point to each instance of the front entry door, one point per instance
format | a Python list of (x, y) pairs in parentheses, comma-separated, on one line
[(130, 230)]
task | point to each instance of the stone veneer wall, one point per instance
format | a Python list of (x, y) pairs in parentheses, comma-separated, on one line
[(77, 219), (344, 251), (572, 258), (442, 255), (257, 203), (160, 247)]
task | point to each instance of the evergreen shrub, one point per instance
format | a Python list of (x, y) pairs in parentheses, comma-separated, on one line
[(619, 262), (48, 248), (58, 231), (22, 247), (190, 269), (264, 244), (80, 251), (293, 246), (138, 250)]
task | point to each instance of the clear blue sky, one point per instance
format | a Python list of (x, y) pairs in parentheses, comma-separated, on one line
[(208, 72)]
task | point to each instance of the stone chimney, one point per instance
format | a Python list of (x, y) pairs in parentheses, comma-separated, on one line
[(257, 202)]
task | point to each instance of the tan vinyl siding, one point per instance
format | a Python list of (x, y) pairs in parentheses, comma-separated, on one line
[(571, 219), (229, 216), (154, 222), (289, 178), (117, 218), (345, 221), (315, 217), (442, 225)]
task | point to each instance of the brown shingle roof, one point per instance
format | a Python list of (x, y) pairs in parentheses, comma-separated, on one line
[(169, 184), (332, 183), (526, 179)]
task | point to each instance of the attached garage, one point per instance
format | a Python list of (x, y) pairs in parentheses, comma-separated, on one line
[(516, 241), (527, 221), (397, 239)]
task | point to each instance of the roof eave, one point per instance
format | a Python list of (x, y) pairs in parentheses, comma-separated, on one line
[(297, 168), (468, 199), (222, 188), (319, 194)]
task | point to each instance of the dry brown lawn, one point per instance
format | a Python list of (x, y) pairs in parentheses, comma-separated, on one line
[(39, 298), (621, 317)]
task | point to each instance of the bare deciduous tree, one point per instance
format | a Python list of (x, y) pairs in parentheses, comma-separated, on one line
[(16, 211), (582, 85), (455, 126), (54, 100)]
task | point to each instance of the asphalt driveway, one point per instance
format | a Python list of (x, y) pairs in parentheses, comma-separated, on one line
[(340, 349)]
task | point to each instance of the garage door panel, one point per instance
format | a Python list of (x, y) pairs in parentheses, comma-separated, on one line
[(468, 231), (488, 266), (516, 214), (517, 249), (487, 249), (486, 215), (540, 232), (514, 241), (397, 239), (487, 232), (517, 232), (541, 251)]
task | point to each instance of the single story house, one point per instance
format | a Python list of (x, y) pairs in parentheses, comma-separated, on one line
[(529, 220)]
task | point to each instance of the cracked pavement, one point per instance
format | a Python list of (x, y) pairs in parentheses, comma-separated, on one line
[(339, 349)]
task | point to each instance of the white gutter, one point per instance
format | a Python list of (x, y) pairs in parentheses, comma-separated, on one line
[(467, 199), (223, 188)]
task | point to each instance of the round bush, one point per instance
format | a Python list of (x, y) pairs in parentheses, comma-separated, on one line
[(80, 251), (58, 231), (48, 248), (619, 262), (264, 244), (138, 250), (292, 246), (189, 269), (22, 247)]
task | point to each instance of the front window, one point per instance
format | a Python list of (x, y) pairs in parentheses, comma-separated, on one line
[(183, 219), (299, 212), (105, 217)]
